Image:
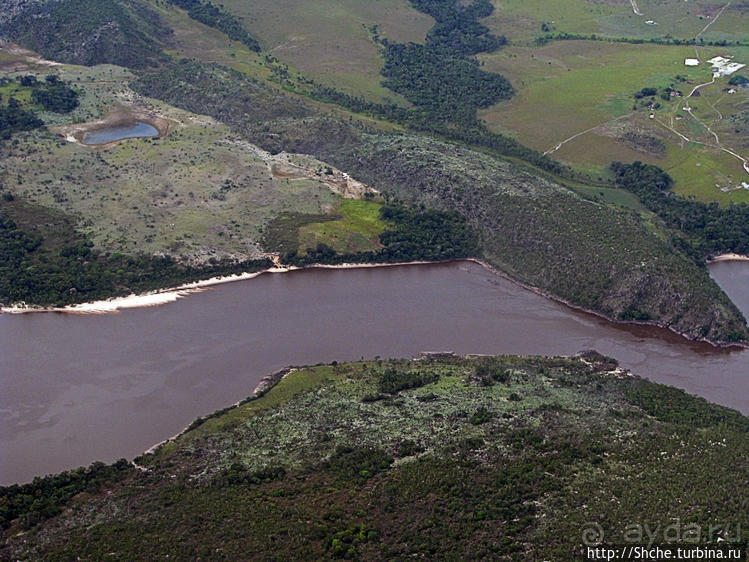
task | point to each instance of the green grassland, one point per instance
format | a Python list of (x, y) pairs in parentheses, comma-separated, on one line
[(439, 458), (15, 90), (578, 85), (572, 87), (192, 39), (331, 41), (521, 20), (357, 230)]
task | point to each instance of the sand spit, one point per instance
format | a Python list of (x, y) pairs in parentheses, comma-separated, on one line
[(728, 257), (152, 298), (165, 296)]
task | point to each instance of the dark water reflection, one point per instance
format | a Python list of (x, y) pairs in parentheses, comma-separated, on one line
[(80, 388), (103, 136)]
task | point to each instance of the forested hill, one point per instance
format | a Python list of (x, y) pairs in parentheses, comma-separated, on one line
[(502, 458), (123, 32)]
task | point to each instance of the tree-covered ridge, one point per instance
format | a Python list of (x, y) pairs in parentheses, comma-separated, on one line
[(440, 458), (212, 16), (88, 32), (710, 228), (588, 254)]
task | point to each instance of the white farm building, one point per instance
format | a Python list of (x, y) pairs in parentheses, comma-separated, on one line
[(691, 62), (724, 67)]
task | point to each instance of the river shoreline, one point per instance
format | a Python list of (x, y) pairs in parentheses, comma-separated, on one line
[(579, 308), (169, 295), (728, 257), (172, 294)]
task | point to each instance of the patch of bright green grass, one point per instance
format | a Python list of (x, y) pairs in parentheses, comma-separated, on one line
[(357, 230), (20, 93)]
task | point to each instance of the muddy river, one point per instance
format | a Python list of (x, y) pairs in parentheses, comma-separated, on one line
[(79, 388)]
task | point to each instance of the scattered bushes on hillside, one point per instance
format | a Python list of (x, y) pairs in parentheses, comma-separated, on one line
[(123, 32), (14, 118), (45, 497)]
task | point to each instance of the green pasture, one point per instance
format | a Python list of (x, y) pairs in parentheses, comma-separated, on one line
[(569, 86), (15, 90), (357, 230), (521, 20)]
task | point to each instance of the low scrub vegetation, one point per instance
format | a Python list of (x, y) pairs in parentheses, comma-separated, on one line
[(469, 473)]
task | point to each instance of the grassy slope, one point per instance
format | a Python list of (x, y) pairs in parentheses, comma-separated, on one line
[(464, 466), (521, 19), (330, 41), (208, 193)]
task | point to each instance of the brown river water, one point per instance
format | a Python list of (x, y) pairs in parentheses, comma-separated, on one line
[(79, 388)]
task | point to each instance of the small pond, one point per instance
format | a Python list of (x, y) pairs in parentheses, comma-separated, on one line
[(110, 134)]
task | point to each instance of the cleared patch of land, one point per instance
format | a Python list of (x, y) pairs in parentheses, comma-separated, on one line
[(357, 230)]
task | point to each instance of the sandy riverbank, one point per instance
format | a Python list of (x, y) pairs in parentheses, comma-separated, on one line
[(172, 294), (728, 257)]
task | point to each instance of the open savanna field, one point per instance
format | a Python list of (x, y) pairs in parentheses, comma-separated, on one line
[(521, 20), (573, 86), (568, 88), (331, 41)]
